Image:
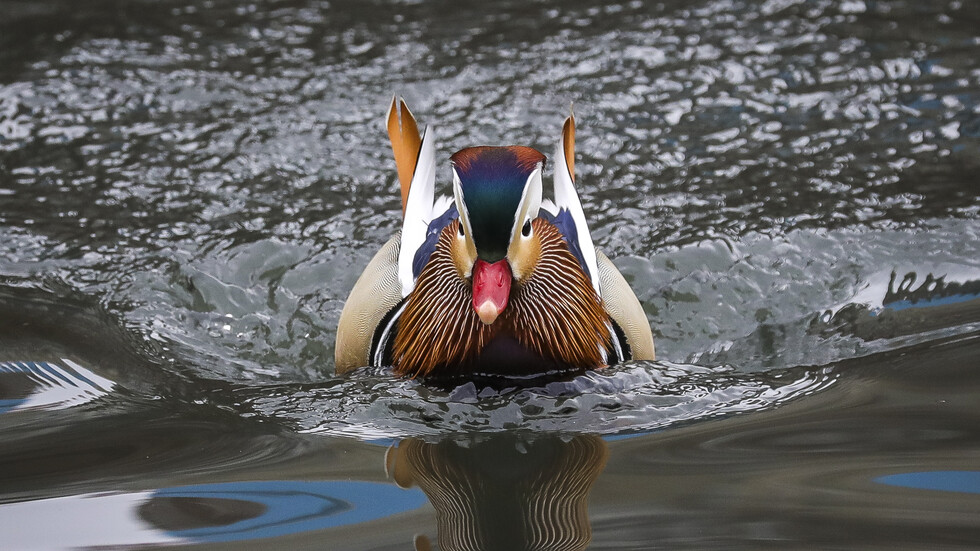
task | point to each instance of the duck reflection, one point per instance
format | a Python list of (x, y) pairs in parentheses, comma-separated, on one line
[(504, 491)]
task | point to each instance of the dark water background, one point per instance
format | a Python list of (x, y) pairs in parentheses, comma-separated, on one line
[(188, 191)]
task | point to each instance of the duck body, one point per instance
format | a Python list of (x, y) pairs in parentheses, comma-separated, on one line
[(496, 280)]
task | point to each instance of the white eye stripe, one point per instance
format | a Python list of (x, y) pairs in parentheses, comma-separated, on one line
[(464, 214), (530, 203)]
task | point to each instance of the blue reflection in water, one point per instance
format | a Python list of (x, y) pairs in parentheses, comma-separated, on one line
[(946, 481), (10, 405), (296, 506), (30, 384), (941, 301), (628, 435)]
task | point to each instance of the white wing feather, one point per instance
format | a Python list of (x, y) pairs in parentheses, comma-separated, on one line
[(567, 198), (418, 210), (549, 206)]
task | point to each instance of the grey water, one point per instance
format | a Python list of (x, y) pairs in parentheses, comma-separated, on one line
[(189, 189)]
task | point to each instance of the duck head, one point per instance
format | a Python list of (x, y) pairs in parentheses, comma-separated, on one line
[(497, 191)]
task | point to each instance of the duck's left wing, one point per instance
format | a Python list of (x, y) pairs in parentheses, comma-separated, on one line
[(633, 337), (569, 216)]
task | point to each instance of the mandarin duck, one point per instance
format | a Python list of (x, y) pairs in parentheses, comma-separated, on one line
[(493, 281)]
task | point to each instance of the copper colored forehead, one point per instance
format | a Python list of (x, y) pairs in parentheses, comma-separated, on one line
[(521, 158)]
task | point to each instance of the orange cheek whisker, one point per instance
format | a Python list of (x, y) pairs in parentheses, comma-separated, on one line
[(554, 312)]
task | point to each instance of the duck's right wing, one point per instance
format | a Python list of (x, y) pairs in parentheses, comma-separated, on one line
[(374, 303), (369, 310)]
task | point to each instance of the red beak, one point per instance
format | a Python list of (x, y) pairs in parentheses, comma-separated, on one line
[(491, 289)]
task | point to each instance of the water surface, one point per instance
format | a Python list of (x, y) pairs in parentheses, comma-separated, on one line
[(189, 189)]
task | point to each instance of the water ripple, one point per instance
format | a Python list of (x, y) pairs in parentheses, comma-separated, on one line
[(49, 385), (623, 400), (219, 181)]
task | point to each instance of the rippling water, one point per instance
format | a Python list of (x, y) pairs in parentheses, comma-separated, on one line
[(189, 189)]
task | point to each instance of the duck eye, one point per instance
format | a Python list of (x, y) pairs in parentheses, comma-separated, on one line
[(526, 230)]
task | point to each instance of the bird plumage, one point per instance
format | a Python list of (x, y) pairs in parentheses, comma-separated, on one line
[(491, 282), (554, 314)]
